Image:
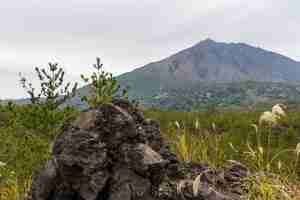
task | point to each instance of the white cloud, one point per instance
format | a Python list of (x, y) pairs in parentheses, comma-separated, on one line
[(130, 33)]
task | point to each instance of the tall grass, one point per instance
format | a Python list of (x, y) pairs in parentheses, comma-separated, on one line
[(25, 133), (271, 154)]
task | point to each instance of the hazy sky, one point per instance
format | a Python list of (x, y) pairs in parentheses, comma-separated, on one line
[(127, 34)]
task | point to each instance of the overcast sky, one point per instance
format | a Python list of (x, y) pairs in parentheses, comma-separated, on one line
[(128, 34)]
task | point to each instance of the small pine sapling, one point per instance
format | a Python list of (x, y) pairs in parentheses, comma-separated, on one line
[(103, 86), (53, 92)]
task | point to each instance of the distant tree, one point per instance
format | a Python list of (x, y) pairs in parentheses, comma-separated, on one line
[(53, 92), (103, 86)]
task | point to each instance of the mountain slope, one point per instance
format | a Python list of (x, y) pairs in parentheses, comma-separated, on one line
[(230, 96), (211, 62), (212, 74)]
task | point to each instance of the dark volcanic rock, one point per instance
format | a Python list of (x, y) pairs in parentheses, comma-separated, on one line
[(110, 152), (197, 181), (113, 153)]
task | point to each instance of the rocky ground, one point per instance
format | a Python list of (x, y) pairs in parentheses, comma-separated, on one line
[(113, 153)]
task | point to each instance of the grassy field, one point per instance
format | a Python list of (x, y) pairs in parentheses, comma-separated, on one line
[(25, 134), (272, 154)]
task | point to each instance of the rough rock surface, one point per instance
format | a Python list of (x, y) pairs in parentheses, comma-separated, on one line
[(113, 153)]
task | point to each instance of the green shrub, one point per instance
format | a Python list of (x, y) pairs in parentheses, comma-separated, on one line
[(24, 144), (103, 86)]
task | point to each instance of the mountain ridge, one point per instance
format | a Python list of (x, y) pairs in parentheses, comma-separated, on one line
[(215, 73), (212, 62)]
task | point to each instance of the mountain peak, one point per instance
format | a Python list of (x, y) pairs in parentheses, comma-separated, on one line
[(207, 41), (214, 62)]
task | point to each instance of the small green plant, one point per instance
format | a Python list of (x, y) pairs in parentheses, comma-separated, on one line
[(198, 145), (184, 144), (263, 157), (103, 86), (262, 186), (8, 187), (53, 92), (270, 176)]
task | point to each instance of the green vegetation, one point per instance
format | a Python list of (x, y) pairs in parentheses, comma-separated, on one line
[(53, 92), (212, 137), (271, 154), (25, 134), (103, 86), (220, 96), (27, 130)]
